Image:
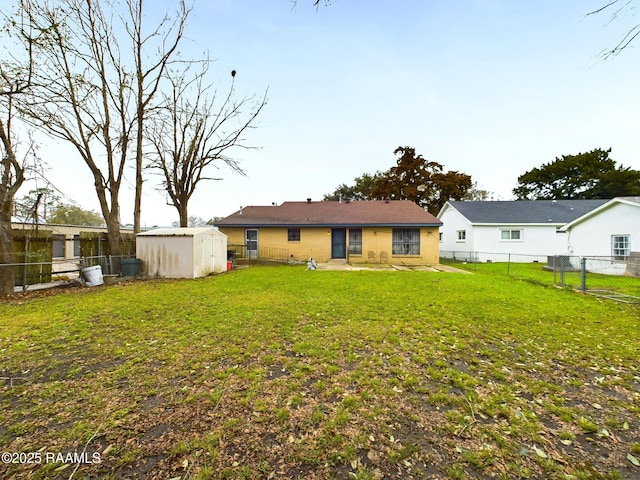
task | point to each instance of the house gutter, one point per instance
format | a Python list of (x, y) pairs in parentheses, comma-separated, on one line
[(325, 225)]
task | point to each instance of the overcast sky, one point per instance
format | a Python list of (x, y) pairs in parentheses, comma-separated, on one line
[(488, 88)]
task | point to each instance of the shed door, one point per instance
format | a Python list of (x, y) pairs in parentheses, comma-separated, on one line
[(251, 241), (208, 260), (338, 243)]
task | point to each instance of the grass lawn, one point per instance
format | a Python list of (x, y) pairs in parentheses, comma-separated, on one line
[(278, 372), (534, 272)]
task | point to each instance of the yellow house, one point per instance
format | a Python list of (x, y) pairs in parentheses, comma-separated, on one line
[(385, 231)]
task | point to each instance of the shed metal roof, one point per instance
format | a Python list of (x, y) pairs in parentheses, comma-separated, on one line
[(179, 232)]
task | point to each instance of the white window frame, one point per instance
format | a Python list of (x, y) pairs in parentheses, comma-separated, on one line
[(620, 246), (510, 234), (462, 236)]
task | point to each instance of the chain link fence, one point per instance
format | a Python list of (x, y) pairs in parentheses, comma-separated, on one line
[(34, 274), (608, 277), (110, 264), (611, 277)]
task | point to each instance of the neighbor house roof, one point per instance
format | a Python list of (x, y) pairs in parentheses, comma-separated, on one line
[(633, 201), (523, 211), (332, 214)]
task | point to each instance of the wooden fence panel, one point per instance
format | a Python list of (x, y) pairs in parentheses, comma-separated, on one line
[(32, 246)]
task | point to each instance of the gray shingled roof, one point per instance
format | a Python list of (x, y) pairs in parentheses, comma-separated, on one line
[(331, 213), (526, 211)]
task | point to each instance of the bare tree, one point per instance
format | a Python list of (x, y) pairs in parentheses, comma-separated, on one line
[(618, 9), (315, 3), (81, 93), (95, 94), (149, 75), (194, 131), (12, 172), (15, 80)]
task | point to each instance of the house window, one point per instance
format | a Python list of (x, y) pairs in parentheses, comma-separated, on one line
[(58, 246), (511, 234), (620, 246), (76, 245), (462, 235), (440, 236), (406, 241), (293, 235), (355, 241)]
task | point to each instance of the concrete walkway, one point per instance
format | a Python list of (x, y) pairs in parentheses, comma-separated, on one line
[(343, 265)]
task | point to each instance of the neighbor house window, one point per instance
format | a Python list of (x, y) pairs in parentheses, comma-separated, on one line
[(58, 246), (406, 241), (620, 246), (293, 235), (462, 235), (76, 245), (511, 234), (355, 241)]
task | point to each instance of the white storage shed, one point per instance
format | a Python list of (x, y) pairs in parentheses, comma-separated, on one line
[(182, 252)]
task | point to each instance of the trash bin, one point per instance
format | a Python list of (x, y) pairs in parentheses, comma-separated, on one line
[(93, 275), (130, 267)]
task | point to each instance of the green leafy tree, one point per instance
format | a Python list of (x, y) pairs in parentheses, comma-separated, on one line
[(421, 181), (360, 190), (583, 176), (617, 183), (63, 214)]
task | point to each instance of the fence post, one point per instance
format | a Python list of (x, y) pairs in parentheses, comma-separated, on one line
[(509, 265), (583, 274)]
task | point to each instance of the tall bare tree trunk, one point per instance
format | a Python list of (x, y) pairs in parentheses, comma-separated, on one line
[(184, 214), (12, 179), (148, 77), (7, 272), (15, 79)]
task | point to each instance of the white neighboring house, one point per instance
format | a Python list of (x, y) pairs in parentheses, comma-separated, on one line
[(611, 230), (519, 231)]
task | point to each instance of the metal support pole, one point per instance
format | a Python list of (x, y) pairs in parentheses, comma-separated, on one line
[(583, 274)]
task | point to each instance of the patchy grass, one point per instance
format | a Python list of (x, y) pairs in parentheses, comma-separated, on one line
[(277, 372)]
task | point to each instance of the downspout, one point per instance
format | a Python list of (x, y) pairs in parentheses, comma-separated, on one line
[(346, 244)]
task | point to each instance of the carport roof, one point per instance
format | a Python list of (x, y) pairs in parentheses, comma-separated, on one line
[(396, 213)]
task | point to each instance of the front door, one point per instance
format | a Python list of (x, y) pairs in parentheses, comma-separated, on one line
[(338, 243), (251, 241)]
